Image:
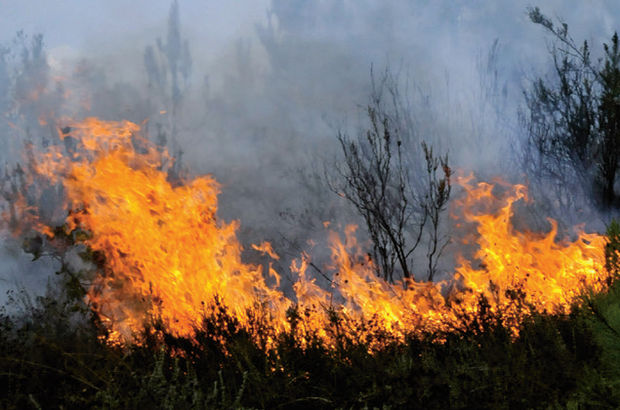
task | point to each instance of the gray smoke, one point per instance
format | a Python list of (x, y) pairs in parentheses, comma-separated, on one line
[(255, 93)]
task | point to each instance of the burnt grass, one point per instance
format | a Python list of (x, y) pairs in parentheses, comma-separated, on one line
[(52, 355)]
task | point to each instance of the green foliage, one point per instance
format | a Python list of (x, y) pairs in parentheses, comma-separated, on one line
[(602, 313), (557, 361), (604, 321), (612, 249)]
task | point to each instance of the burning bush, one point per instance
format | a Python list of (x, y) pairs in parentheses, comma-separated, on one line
[(159, 251)]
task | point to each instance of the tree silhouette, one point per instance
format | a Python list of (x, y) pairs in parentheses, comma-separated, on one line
[(572, 121), (168, 67), (396, 183)]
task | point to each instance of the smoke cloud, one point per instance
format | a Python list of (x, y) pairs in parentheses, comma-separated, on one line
[(255, 92)]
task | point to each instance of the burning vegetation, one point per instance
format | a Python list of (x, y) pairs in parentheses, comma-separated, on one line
[(163, 255), (447, 294)]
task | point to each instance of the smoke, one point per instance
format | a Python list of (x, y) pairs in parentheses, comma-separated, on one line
[(255, 92)]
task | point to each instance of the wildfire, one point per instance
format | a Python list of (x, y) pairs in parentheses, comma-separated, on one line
[(167, 255), (550, 274)]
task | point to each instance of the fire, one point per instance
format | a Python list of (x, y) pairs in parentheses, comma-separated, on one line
[(550, 273), (166, 254)]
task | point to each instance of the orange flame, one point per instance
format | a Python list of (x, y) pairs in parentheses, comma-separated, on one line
[(550, 274), (168, 256)]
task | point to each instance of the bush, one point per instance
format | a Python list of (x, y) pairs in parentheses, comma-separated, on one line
[(557, 361)]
